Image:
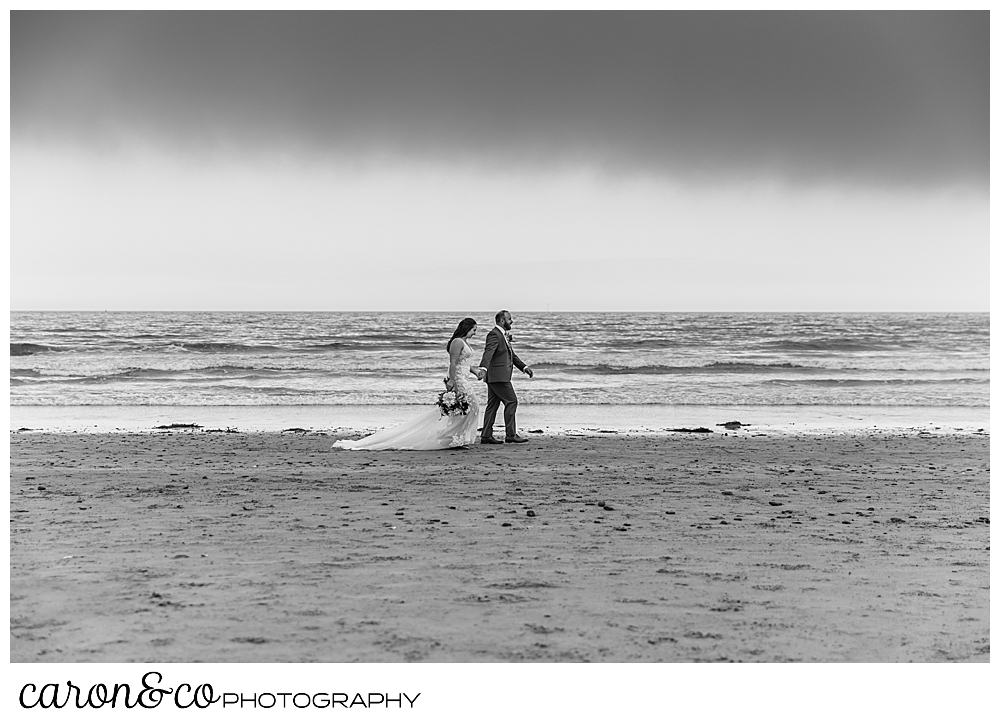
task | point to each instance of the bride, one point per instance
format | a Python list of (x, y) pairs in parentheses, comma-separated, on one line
[(452, 423)]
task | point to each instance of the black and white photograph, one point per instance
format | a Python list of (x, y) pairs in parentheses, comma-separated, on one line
[(486, 336)]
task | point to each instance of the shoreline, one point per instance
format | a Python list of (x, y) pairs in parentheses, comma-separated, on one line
[(270, 547), (549, 419)]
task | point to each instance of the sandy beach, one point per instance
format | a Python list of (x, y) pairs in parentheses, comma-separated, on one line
[(198, 546)]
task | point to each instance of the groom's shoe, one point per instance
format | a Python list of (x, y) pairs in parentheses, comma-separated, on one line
[(516, 439), (490, 440)]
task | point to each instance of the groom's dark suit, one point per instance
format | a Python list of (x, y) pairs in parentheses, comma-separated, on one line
[(499, 361)]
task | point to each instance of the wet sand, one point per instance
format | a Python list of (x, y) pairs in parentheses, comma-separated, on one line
[(197, 546)]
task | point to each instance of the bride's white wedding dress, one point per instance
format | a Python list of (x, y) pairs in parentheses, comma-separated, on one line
[(433, 429)]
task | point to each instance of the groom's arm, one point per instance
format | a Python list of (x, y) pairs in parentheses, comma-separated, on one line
[(517, 360), (492, 342), (521, 365)]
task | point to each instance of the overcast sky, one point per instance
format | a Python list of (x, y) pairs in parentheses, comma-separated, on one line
[(476, 160)]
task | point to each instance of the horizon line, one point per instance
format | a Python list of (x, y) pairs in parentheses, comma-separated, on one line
[(520, 311)]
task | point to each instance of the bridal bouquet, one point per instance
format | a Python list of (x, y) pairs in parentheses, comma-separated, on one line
[(451, 403)]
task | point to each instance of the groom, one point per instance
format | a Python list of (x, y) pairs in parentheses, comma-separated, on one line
[(498, 362)]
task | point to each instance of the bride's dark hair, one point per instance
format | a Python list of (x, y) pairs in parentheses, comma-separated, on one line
[(463, 328)]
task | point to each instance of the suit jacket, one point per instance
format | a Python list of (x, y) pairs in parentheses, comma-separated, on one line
[(499, 359)]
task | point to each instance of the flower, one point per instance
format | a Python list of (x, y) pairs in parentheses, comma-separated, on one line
[(452, 402)]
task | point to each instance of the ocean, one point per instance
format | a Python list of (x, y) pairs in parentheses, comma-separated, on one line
[(370, 360)]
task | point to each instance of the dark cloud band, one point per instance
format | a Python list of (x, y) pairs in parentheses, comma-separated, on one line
[(899, 97)]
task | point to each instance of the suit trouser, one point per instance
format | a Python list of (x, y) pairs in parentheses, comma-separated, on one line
[(500, 392)]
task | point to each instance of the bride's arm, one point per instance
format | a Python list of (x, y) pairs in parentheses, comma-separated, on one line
[(453, 353)]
